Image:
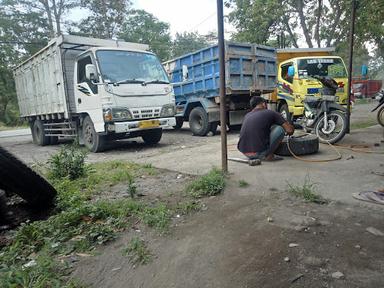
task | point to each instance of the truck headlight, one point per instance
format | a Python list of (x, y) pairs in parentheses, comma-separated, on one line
[(168, 110), (117, 114)]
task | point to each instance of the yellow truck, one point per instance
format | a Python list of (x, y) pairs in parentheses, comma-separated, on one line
[(291, 91)]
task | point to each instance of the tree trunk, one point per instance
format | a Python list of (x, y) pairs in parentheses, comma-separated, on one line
[(317, 29), (292, 36), (57, 14), (335, 23), (49, 15), (300, 11)]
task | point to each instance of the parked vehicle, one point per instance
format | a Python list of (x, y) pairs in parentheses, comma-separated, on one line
[(250, 70), (323, 115), (292, 90), (380, 112), (96, 90), (366, 88)]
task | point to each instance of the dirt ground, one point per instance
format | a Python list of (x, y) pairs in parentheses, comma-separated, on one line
[(242, 238)]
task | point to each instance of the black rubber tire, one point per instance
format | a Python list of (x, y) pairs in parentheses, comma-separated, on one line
[(213, 127), (53, 140), (198, 122), (152, 137), (18, 178), (342, 132), (380, 116), (284, 111), (304, 145), (3, 208), (38, 133), (179, 123), (92, 140)]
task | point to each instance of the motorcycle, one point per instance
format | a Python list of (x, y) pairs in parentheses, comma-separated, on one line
[(380, 113), (323, 115)]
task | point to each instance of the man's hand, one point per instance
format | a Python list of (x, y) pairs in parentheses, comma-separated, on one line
[(289, 129)]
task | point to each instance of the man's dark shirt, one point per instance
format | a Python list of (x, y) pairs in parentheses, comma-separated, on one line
[(254, 134)]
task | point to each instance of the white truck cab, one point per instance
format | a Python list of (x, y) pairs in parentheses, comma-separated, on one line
[(111, 91)]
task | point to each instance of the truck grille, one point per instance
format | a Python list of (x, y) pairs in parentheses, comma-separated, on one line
[(145, 113)]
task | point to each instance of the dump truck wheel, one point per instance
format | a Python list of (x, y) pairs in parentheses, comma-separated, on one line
[(92, 140), (213, 127), (152, 137), (3, 208), (307, 144), (18, 178), (284, 111), (179, 123), (198, 122), (38, 133)]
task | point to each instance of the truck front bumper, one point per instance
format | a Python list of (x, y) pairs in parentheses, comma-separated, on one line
[(139, 125)]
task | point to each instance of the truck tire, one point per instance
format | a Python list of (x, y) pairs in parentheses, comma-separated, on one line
[(92, 140), (38, 133), (213, 127), (198, 122), (284, 111), (18, 178), (179, 123), (3, 208), (152, 137), (304, 145)]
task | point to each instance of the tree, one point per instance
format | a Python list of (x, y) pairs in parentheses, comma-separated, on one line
[(143, 27), (106, 18), (188, 42)]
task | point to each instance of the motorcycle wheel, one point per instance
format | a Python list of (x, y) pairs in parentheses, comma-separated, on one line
[(380, 116), (337, 126)]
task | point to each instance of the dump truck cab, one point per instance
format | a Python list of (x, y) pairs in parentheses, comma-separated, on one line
[(291, 90)]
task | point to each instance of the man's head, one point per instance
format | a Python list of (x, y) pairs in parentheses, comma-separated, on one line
[(258, 102)]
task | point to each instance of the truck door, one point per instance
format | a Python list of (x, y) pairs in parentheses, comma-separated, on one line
[(86, 93), (285, 91)]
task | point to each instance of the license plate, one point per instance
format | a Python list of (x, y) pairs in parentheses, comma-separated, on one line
[(149, 124)]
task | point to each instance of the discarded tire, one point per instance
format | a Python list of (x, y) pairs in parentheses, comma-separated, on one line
[(3, 208), (303, 145), (18, 178)]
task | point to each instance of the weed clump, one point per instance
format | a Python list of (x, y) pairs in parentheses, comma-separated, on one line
[(307, 191), (243, 183), (69, 162), (208, 185), (137, 251)]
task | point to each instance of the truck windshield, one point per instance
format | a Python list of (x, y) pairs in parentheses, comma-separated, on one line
[(331, 67), (130, 67)]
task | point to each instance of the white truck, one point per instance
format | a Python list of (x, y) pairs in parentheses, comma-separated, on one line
[(94, 89)]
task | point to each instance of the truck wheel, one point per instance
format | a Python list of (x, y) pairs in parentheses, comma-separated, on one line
[(213, 127), (38, 133), (307, 144), (152, 137), (92, 140), (3, 208), (179, 123), (198, 122), (284, 111), (18, 178)]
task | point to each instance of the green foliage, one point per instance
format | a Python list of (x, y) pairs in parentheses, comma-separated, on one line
[(243, 183), (307, 191), (137, 251), (68, 162), (188, 207), (188, 42), (78, 225), (210, 184), (105, 18), (132, 189), (143, 27)]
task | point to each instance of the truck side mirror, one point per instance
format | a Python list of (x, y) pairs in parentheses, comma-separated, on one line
[(291, 71), (185, 72), (364, 70), (91, 72)]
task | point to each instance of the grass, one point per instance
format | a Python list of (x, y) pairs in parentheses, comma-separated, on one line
[(137, 251), (79, 224), (188, 207), (243, 184), (307, 191), (209, 184)]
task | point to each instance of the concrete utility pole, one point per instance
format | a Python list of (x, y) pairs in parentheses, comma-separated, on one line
[(223, 105), (351, 38)]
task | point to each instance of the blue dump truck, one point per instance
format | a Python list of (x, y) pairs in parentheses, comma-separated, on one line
[(250, 70)]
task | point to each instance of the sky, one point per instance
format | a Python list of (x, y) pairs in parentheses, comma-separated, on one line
[(185, 15)]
